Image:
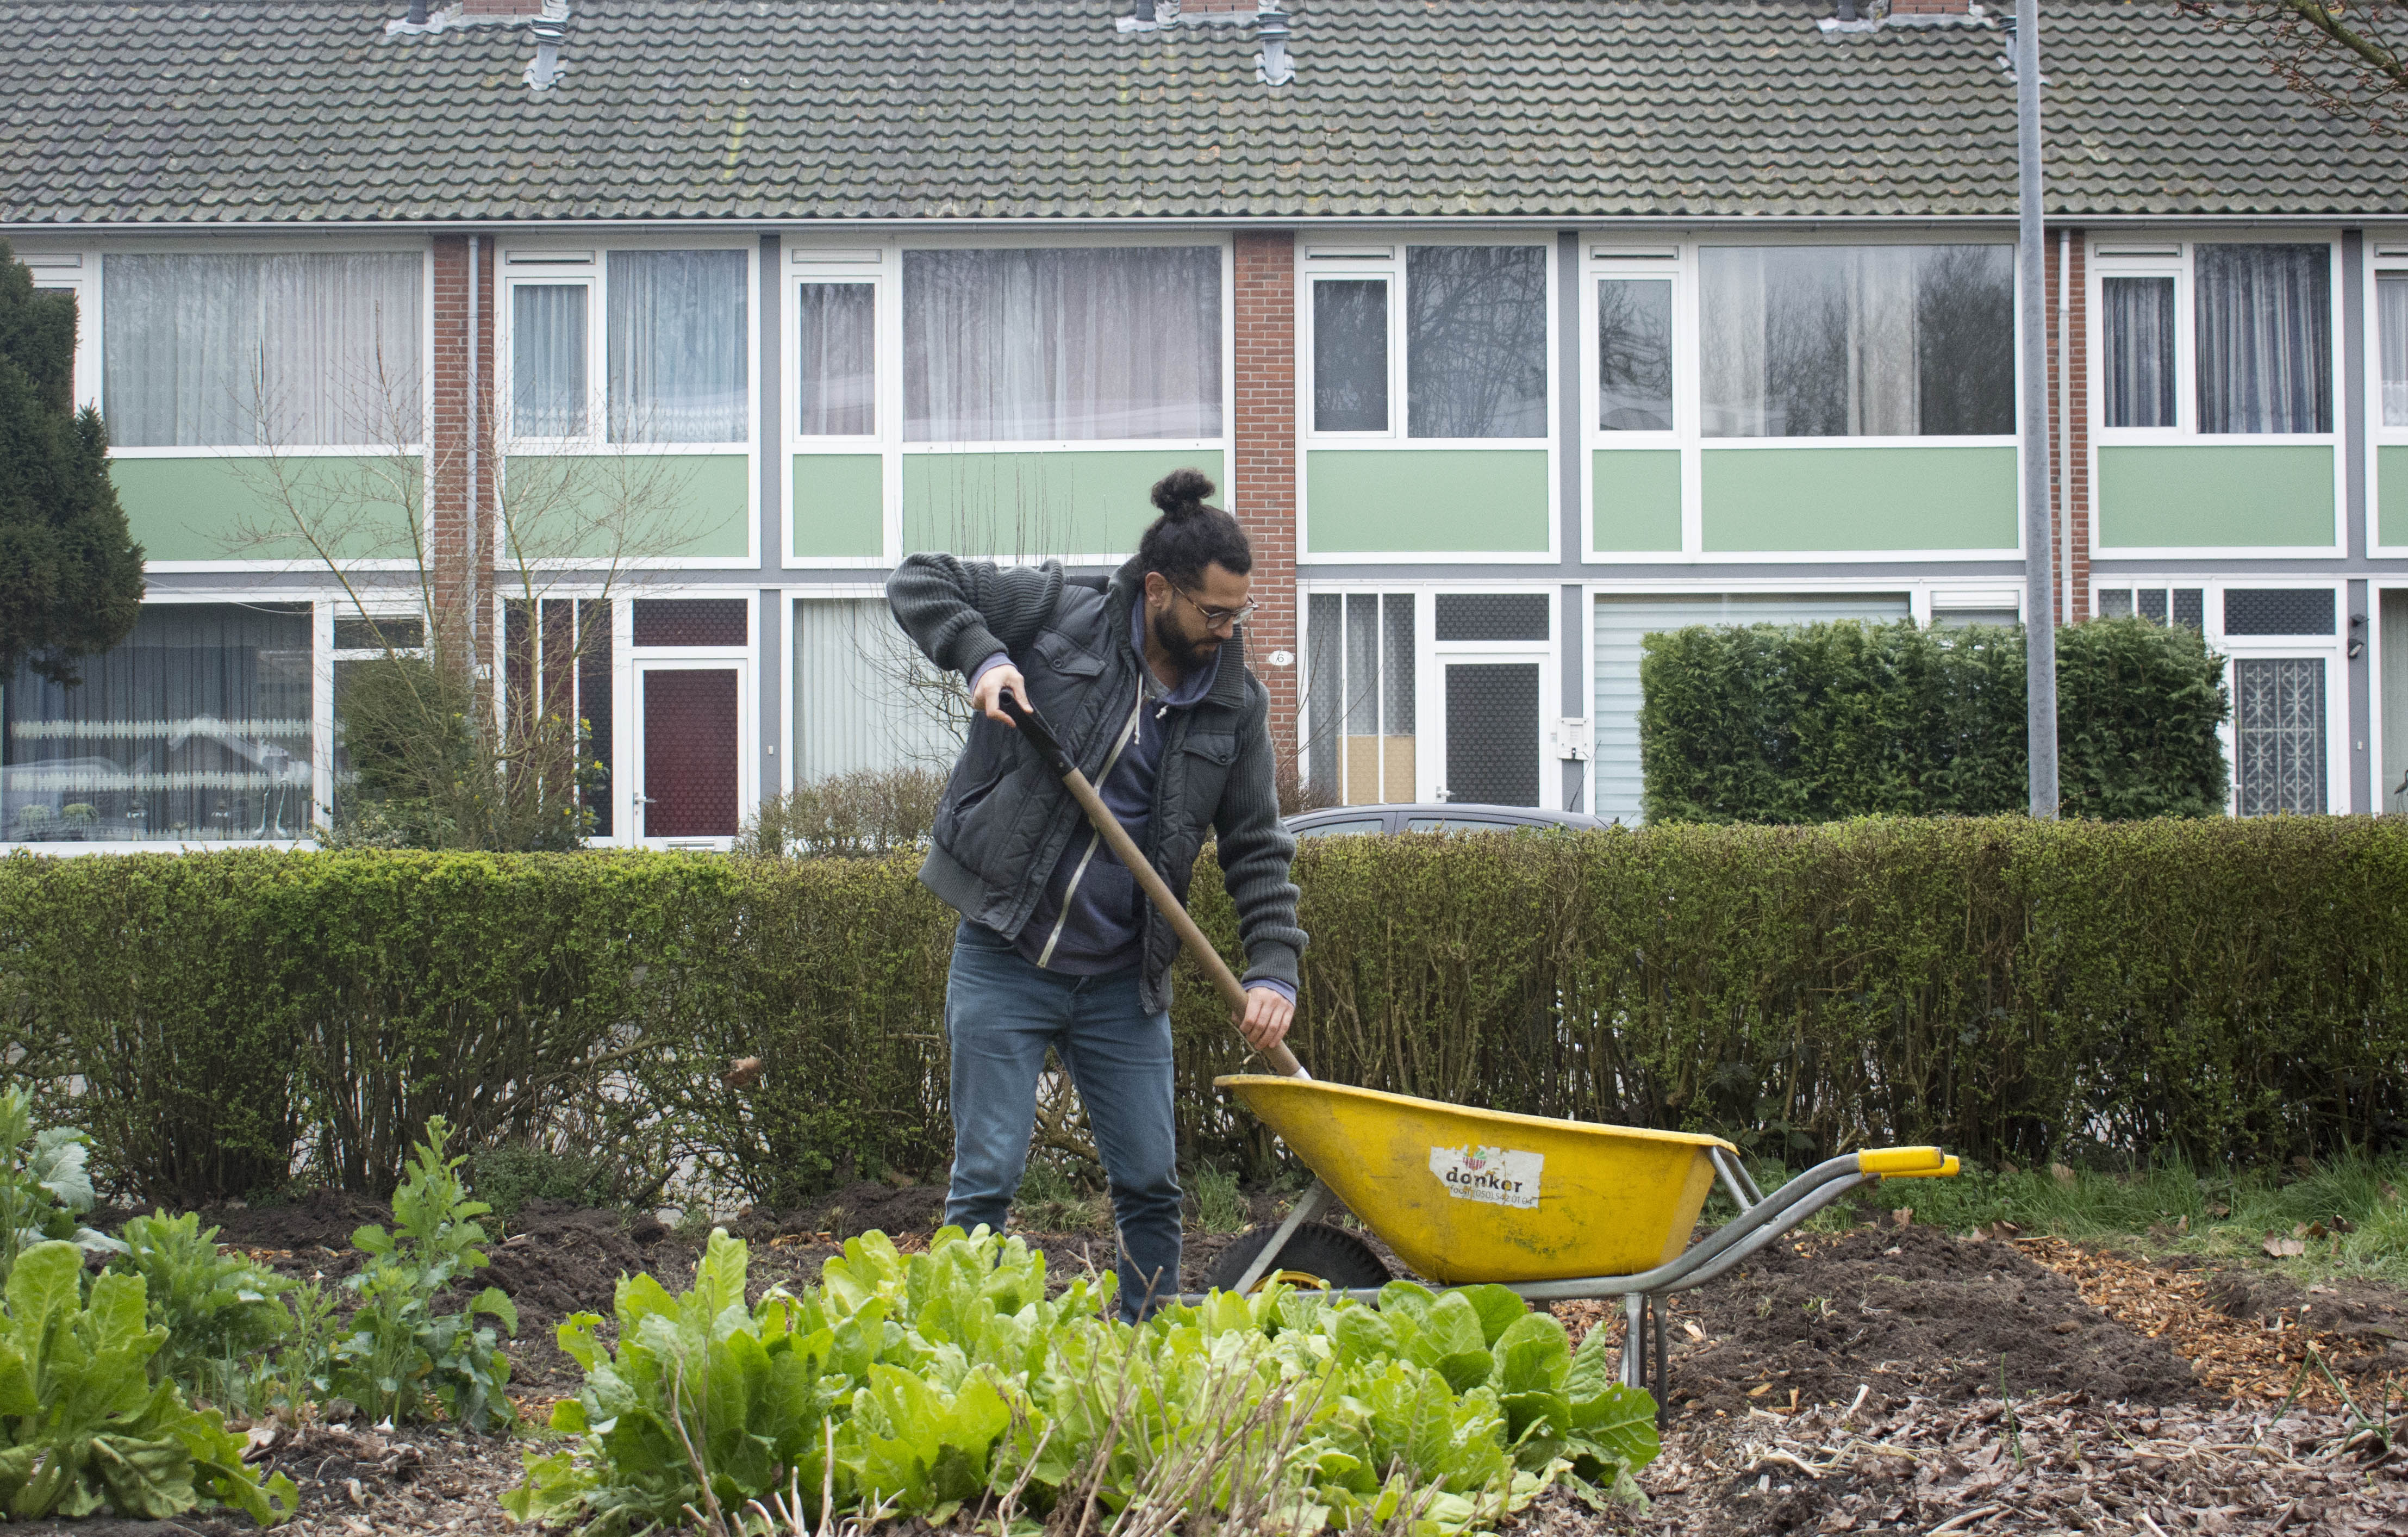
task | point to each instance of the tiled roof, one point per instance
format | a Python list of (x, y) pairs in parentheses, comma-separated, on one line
[(177, 111)]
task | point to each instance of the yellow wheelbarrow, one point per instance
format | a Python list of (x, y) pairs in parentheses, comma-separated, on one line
[(1551, 1210), (1554, 1211)]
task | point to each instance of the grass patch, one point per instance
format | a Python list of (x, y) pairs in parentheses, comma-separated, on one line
[(1220, 1206), (1052, 1200)]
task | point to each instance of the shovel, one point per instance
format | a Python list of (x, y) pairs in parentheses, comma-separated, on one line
[(1032, 726)]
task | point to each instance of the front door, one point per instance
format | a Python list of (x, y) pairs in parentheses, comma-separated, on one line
[(691, 788), (1492, 732)]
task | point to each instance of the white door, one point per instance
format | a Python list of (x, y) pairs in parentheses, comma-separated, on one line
[(1493, 694)]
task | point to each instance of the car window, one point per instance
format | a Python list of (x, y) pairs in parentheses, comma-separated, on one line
[(1334, 830), (1459, 824)]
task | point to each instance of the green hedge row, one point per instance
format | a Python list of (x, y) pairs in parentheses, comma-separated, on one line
[(2219, 990), (1817, 723)]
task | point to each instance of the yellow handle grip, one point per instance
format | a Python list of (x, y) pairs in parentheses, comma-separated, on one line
[(1901, 1160), (1948, 1170)]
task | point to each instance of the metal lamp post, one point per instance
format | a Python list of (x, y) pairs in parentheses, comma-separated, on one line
[(2031, 262)]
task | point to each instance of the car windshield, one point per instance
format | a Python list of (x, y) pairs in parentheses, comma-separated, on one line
[(1459, 824)]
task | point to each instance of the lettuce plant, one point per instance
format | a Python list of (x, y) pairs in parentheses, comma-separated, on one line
[(916, 1386), (45, 1187), (82, 1423)]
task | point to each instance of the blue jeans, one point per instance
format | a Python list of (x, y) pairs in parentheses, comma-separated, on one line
[(1001, 1013)]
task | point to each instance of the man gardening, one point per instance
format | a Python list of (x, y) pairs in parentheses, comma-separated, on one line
[(1145, 683)]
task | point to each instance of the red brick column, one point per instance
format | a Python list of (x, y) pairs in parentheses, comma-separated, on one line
[(1262, 493), (449, 441), (2068, 393)]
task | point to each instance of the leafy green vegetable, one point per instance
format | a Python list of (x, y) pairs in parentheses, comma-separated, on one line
[(82, 1423), (402, 1358), (44, 1186), (222, 1311), (919, 1385)]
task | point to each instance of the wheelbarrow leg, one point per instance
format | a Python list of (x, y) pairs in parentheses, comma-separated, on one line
[(1306, 1207), (1644, 1316), (1634, 1341)]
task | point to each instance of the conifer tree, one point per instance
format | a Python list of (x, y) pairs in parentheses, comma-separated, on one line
[(70, 572)]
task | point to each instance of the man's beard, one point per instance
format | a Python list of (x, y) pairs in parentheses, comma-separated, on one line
[(1188, 654)]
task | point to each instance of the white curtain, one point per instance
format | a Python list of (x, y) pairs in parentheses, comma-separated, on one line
[(837, 372), (547, 380), (1810, 342), (2391, 327), (677, 347), (2264, 337), (2139, 369), (1476, 341), (1037, 346), (292, 350)]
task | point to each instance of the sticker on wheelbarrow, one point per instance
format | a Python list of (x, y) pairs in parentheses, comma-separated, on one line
[(1491, 1174)]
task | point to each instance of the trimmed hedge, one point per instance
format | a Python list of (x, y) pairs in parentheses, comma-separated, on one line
[(2214, 989), (1817, 723)]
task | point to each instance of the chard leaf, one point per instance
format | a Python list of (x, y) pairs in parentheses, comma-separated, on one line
[(1497, 1309), (1533, 1355)]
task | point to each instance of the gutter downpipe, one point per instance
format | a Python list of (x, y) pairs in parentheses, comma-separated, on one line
[(475, 429), (2063, 448), (2040, 589)]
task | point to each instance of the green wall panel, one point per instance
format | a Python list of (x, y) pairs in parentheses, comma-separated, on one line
[(633, 505), (2392, 498), (1635, 498), (210, 507), (839, 504), (2216, 493), (1859, 498), (1040, 502), (1381, 501)]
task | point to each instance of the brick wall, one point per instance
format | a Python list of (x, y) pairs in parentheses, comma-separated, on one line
[(2068, 393), (450, 448), (1263, 490)]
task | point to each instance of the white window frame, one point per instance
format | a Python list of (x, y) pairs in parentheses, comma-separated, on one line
[(1431, 656), (541, 262), (812, 256), (2375, 662), (2162, 255), (77, 271), (1382, 253), (2386, 257), (1681, 262)]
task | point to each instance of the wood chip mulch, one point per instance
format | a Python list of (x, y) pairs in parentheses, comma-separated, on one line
[(2243, 1358)]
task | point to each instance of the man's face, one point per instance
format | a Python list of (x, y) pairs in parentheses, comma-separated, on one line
[(1181, 626)]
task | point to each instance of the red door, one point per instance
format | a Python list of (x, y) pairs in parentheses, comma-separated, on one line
[(690, 745)]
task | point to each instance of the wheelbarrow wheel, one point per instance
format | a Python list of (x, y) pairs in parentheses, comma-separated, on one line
[(1316, 1255)]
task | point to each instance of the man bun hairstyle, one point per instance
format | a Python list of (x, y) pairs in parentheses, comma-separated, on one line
[(1191, 535)]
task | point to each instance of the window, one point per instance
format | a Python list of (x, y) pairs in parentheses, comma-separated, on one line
[(1350, 354), (1038, 346), (2278, 611), (286, 350), (557, 660), (1351, 827), (864, 697), (2279, 725), (2391, 344), (2264, 324), (836, 387), (1843, 341), (2180, 605), (548, 373), (1476, 341), (1360, 696), (677, 347), (197, 726), (2139, 366), (1634, 354)]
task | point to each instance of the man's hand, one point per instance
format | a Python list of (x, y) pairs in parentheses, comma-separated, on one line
[(988, 695), (1267, 1019)]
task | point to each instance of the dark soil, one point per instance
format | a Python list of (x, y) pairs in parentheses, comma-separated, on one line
[(1901, 1313)]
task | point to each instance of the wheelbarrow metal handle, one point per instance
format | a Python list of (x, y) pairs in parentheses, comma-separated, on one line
[(1040, 735)]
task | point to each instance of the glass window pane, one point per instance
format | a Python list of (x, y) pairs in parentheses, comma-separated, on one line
[(1353, 827), (1350, 355), (836, 374), (677, 347), (2278, 713), (2113, 602), (1325, 693), (2391, 328), (1036, 346), (1838, 342), (2153, 603), (1476, 341), (1399, 765), (2264, 337), (1634, 355), (197, 726), (2140, 362), (288, 350), (547, 360)]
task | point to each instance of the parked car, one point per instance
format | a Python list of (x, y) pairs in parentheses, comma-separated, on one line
[(1431, 816)]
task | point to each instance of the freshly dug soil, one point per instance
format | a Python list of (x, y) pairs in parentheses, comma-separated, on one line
[(1901, 1313)]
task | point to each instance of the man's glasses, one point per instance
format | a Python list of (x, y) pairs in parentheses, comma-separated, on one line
[(1215, 618)]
